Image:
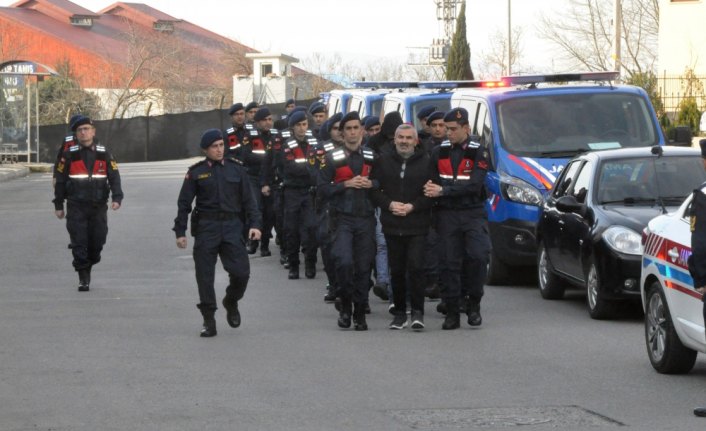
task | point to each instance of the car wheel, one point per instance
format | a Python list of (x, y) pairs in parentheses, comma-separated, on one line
[(599, 308), (498, 271), (550, 285), (666, 352)]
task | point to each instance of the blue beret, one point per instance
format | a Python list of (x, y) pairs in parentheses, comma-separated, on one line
[(289, 102), (235, 108), (251, 105), (353, 115), (338, 116), (702, 144), (371, 121), (317, 107), (458, 115), (298, 108), (296, 117), (262, 113), (209, 137), (79, 120), (425, 111), (436, 115)]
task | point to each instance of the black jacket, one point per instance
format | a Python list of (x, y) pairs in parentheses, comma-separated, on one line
[(405, 188)]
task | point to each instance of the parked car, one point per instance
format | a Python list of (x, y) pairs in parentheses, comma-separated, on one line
[(589, 231), (674, 323)]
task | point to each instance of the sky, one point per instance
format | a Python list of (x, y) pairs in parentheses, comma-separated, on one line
[(360, 29)]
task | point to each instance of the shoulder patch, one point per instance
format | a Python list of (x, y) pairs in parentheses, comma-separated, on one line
[(100, 148), (230, 131), (74, 148)]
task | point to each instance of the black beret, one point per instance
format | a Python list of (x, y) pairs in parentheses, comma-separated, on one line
[(298, 108), (289, 102), (333, 120), (702, 144), (209, 137), (262, 113), (296, 117), (425, 111), (353, 115), (371, 121), (458, 115), (79, 120), (317, 107), (436, 115), (235, 108), (251, 105)]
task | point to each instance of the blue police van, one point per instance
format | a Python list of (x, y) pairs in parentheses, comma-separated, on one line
[(408, 101), (532, 126)]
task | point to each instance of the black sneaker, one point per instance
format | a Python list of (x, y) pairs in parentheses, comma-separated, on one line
[(380, 290), (417, 321), (399, 321)]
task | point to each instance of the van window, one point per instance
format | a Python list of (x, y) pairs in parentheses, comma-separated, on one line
[(561, 125)]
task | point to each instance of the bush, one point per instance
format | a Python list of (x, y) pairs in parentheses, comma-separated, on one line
[(689, 114)]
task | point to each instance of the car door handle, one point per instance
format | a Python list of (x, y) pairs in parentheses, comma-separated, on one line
[(561, 222), (673, 254)]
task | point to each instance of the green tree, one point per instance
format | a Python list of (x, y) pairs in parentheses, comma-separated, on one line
[(459, 63), (61, 96), (648, 82)]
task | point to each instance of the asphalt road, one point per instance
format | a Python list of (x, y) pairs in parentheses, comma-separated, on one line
[(127, 355)]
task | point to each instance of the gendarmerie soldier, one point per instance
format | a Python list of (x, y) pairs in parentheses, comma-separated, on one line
[(68, 142), (222, 191), (250, 111), (424, 131), (458, 170), (345, 182), (281, 123), (697, 260), (270, 136), (86, 175), (239, 132), (317, 110)]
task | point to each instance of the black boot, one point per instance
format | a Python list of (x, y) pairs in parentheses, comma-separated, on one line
[(473, 311), (344, 315), (232, 313), (453, 318), (330, 293), (265, 248), (209, 322), (359, 322), (441, 307), (252, 246), (84, 279), (310, 269), (294, 272)]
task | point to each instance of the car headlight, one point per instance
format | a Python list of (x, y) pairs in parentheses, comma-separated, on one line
[(623, 240), (516, 190)]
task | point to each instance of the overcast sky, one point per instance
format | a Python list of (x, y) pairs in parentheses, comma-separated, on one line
[(356, 29)]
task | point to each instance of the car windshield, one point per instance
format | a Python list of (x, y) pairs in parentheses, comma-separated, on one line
[(649, 180), (560, 126)]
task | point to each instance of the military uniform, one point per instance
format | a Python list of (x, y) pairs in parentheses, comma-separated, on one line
[(271, 176)]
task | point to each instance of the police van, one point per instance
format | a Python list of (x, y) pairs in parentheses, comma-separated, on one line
[(366, 101), (409, 100), (532, 126), (337, 101)]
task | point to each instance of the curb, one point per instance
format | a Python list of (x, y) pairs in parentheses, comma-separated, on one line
[(10, 172)]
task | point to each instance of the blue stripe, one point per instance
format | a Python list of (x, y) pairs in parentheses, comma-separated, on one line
[(669, 272)]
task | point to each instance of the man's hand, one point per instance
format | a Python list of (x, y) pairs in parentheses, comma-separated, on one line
[(254, 234), (115, 206), (59, 214), (400, 209), (266, 190), (701, 289), (432, 190), (181, 242), (358, 182)]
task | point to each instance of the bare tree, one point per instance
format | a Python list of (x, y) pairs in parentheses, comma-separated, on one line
[(584, 31), (493, 63)]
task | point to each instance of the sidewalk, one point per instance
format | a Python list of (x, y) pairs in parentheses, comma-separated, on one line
[(10, 171)]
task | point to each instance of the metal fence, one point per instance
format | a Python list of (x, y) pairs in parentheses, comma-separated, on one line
[(672, 90)]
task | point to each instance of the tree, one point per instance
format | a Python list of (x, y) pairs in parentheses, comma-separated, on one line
[(459, 64), (584, 33), (61, 96), (493, 63)]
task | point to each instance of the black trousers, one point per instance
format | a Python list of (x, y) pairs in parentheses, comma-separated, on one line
[(222, 238), (465, 246), (88, 229), (266, 206), (405, 255), (324, 239), (431, 256), (353, 254), (299, 225), (277, 194)]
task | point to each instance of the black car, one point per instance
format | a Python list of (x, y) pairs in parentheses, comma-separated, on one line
[(589, 232)]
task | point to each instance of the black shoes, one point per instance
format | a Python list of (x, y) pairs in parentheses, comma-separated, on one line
[(432, 291), (441, 307), (451, 321), (399, 321), (359, 323), (473, 311), (294, 272), (84, 280), (330, 294), (380, 290), (417, 320), (209, 328), (344, 315), (252, 246), (310, 270), (700, 412), (232, 313)]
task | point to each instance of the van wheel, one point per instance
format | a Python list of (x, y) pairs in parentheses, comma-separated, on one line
[(666, 352), (498, 271), (550, 285), (599, 308)]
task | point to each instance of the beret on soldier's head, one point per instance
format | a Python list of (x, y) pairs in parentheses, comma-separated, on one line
[(79, 120), (458, 115), (209, 137), (289, 102), (370, 122), (316, 108), (333, 120), (702, 144), (296, 117), (436, 115), (249, 106), (262, 113), (297, 109), (353, 115), (235, 108), (425, 111)]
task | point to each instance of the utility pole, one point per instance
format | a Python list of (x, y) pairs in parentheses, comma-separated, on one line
[(618, 26), (509, 37)]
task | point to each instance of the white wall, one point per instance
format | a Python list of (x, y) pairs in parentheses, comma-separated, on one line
[(682, 37)]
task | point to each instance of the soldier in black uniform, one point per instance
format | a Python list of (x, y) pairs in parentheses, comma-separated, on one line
[(317, 110), (68, 142), (222, 191), (299, 168), (281, 124), (697, 260), (424, 132), (458, 170), (270, 136), (86, 174), (344, 180), (250, 111)]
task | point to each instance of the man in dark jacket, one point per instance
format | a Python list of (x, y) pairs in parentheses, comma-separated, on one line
[(405, 217)]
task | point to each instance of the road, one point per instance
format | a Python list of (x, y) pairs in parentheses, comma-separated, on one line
[(127, 355)]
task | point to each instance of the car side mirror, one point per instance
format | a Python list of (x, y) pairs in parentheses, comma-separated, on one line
[(569, 204)]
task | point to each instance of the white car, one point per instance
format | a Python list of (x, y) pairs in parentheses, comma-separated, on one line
[(674, 321)]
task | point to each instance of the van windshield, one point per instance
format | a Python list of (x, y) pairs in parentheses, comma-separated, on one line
[(563, 125)]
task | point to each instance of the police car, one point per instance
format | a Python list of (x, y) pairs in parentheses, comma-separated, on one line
[(674, 323)]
